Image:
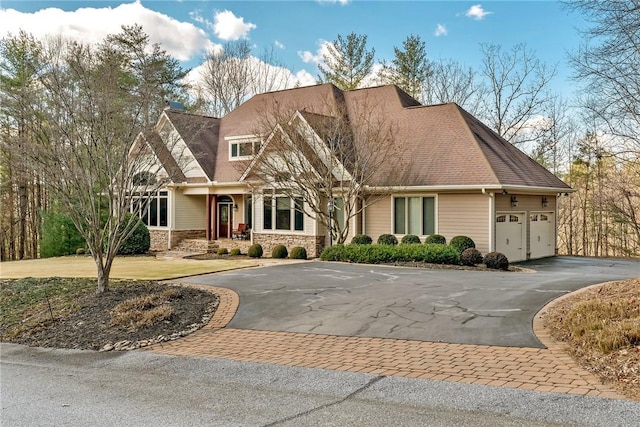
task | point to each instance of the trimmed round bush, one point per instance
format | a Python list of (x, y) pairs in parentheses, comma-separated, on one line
[(298, 252), (139, 242), (279, 251), (436, 238), (496, 261), (471, 257), (387, 239), (255, 250), (361, 239), (223, 251), (461, 243), (235, 252), (410, 239), (80, 251)]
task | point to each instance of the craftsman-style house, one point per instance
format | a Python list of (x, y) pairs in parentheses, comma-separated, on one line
[(458, 178)]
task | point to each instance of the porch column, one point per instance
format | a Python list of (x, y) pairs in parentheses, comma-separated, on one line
[(213, 221), (210, 232), (208, 216)]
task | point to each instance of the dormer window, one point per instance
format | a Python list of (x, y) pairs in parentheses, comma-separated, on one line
[(242, 147)]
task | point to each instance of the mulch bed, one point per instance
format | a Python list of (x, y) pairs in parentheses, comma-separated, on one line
[(90, 328)]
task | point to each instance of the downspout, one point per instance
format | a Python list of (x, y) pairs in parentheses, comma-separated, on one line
[(492, 223)]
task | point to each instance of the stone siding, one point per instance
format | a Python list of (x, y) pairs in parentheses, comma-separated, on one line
[(180, 235), (159, 240), (313, 244)]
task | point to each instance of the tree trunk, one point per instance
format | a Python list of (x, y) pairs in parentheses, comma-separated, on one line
[(103, 276)]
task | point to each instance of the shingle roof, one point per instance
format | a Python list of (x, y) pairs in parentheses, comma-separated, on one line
[(440, 145), (201, 134), (164, 156)]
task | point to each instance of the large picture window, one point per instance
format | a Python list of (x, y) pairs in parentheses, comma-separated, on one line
[(283, 213), (414, 215), (152, 208)]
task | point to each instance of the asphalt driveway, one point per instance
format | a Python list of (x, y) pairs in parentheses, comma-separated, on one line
[(466, 307)]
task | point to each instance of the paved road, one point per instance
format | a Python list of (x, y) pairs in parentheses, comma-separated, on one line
[(43, 387), (467, 307)]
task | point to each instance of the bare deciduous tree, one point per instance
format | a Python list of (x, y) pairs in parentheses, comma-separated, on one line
[(609, 64), (517, 92), (232, 75), (93, 110), (449, 81), (327, 162)]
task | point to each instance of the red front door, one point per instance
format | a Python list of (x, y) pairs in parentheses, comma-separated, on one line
[(224, 221)]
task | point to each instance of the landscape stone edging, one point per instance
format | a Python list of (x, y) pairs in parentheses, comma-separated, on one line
[(218, 315)]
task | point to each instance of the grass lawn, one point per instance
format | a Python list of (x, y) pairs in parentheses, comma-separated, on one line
[(139, 267)]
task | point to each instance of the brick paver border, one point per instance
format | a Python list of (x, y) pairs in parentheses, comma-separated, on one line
[(537, 369)]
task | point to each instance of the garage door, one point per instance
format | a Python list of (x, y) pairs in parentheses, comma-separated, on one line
[(509, 240), (541, 234)]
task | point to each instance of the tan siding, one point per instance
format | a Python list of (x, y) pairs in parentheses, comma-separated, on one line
[(464, 215), (258, 207), (525, 203), (378, 218), (190, 212)]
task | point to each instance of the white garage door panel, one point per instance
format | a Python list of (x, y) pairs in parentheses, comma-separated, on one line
[(509, 239), (541, 234)]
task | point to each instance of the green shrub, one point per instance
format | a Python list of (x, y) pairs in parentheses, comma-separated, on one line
[(387, 239), (59, 235), (361, 239), (461, 243), (409, 239), (298, 252), (436, 238), (279, 251), (471, 257), (235, 252), (223, 251), (80, 251), (139, 242), (496, 261), (255, 250), (377, 254)]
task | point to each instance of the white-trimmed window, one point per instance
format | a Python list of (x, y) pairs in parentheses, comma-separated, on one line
[(283, 213), (242, 147), (153, 208), (414, 215)]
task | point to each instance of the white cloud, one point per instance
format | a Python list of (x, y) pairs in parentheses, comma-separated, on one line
[(304, 78), (340, 2), (309, 57), (279, 77), (278, 44), (477, 12), (441, 30), (227, 26), (182, 40)]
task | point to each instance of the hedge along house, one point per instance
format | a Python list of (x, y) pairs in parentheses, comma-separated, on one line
[(444, 173)]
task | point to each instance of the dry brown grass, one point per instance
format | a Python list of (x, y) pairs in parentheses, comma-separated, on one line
[(602, 328), (143, 311)]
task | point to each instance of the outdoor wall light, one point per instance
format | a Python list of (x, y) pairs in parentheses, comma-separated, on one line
[(235, 207), (514, 202), (545, 202)]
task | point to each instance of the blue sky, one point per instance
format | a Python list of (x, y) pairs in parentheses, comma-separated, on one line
[(297, 29)]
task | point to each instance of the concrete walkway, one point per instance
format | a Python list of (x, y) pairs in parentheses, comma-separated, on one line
[(550, 369)]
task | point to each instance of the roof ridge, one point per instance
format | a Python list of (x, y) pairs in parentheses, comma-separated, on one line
[(462, 113)]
